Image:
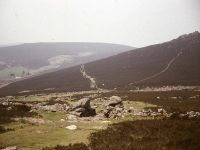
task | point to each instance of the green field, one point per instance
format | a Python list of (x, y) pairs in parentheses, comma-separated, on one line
[(17, 71)]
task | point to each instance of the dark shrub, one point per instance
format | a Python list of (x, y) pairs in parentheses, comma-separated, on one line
[(16, 111), (2, 129), (148, 135), (77, 146)]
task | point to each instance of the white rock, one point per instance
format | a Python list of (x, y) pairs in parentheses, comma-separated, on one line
[(106, 121), (72, 118), (160, 110), (62, 120), (114, 100), (173, 97), (10, 148), (71, 127), (157, 97), (9, 108)]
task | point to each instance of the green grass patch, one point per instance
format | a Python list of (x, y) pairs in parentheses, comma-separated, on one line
[(17, 71), (37, 136), (138, 105)]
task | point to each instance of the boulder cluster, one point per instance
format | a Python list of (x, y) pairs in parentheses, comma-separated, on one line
[(53, 108), (189, 114), (98, 109), (83, 108), (114, 108)]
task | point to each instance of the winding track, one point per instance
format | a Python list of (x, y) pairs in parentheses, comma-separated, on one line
[(93, 84), (162, 71)]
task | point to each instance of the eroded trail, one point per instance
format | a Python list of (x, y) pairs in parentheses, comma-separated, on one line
[(162, 71), (93, 84)]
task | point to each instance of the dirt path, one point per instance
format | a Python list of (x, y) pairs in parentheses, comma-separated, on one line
[(93, 84), (162, 71)]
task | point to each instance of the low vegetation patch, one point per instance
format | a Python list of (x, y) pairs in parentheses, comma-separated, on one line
[(10, 112), (77, 146), (143, 135), (148, 134), (3, 129)]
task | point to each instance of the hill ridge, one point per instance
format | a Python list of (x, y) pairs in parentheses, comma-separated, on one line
[(178, 59)]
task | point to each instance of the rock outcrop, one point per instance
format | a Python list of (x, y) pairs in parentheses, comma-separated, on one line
[(114, 100), (52, 108), (83, 108), (114, 107)]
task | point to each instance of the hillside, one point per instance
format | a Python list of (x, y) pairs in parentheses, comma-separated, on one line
[(171, 63), (32, 58)]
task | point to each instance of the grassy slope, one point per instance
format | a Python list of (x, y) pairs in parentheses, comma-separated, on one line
[(35, 55)]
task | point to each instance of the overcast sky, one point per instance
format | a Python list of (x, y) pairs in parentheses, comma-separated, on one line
[(132, 22)]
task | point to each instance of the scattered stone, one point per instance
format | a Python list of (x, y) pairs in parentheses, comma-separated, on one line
[(9, 108), (62, 120), (10, 148), (173, 97), (52, 108), (71, 118), (172, 115), (194, 97), (162, 111), (157, 97), (155, 114), (71, 127), (83, 103), (114, 108), (192, 114), (183, 116), (85, 109), (5, 103), (107, 111), (114, 100), (119, 109), (60, 107)]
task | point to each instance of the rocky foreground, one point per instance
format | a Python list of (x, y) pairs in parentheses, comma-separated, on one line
[(95, 109), (64, 118)]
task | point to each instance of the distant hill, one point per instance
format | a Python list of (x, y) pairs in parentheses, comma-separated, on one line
[(171, 63), (33, 58)]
